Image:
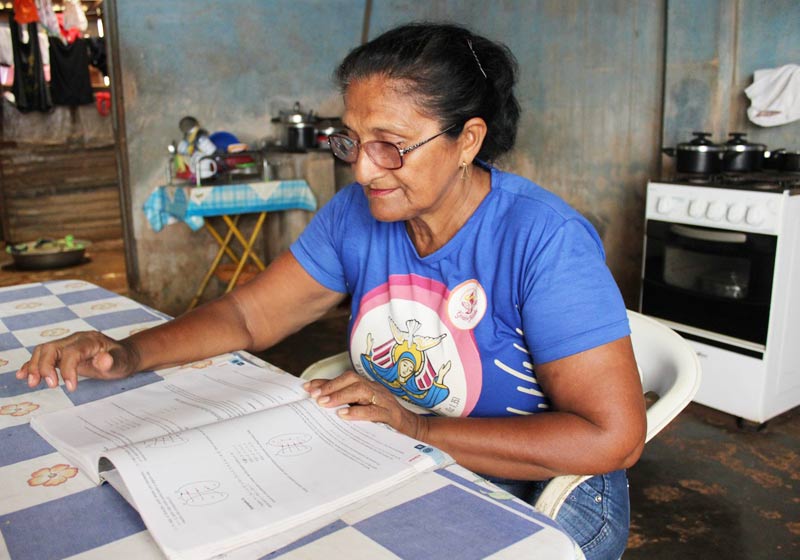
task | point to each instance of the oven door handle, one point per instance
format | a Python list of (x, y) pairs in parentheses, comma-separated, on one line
[(708, 235)]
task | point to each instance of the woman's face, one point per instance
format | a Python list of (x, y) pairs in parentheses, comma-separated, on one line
[(405, 368), (376, 109)]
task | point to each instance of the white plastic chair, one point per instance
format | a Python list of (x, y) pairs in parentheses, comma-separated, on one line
[(668, 366), (669, 369)]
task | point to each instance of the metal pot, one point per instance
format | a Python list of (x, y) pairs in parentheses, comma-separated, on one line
[(44, 254), (783, 160), (772, 159), (700, 155), (301, 136), (789, 160), (742, 156), (299, 130), (325, 128)]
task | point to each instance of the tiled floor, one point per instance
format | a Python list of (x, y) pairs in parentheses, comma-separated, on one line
[(704, 488)]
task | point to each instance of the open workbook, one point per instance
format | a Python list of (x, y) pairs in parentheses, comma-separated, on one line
[(217, 458)]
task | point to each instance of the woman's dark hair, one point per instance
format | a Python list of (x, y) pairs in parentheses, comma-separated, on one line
[(455, 74)]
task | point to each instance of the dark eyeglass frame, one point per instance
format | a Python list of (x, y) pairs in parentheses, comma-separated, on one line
[(352, 157)]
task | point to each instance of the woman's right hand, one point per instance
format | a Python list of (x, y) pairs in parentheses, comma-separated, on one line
[(88, 354)]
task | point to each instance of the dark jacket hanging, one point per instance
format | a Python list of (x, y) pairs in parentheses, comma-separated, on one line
[(70, 83), (29, 89)]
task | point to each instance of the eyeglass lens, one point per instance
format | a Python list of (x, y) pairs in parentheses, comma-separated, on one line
[(384, 154)]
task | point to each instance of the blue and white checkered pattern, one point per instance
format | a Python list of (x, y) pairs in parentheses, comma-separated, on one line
[(49, 511), (191, 204)]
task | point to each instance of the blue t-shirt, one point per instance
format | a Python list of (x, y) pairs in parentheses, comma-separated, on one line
[(459, 332)]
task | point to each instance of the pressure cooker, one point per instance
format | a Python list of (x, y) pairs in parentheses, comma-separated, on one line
[(299, 128)]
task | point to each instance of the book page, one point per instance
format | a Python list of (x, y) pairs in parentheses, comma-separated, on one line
[(226, 485), (188, 398)]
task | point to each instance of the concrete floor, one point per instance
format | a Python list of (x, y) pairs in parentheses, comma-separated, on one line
[(704, 488), (103, 264)]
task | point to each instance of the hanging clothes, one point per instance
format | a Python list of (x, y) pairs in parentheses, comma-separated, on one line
[(70, 83), (47, 17), (68, 35), (97, 54), (25, 11), (74, 18), (6, 51), (29, 89)]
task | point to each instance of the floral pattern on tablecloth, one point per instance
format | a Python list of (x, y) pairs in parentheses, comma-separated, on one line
[(18, 409), (52, 476)]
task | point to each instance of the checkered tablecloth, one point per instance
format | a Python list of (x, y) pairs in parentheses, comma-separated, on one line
[(48, 510), (191, 205)]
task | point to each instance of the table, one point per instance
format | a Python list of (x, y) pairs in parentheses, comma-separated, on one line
[(192, 205), (48, 510)]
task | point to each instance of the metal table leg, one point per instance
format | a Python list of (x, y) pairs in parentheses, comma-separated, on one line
[(225, 248)]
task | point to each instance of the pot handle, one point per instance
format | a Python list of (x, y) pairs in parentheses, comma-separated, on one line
[(774, 153), (669, 151)]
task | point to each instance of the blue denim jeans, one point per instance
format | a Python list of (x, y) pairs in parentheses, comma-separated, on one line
[(596, 515)]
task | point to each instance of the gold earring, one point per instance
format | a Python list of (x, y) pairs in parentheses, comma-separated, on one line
[(464, 170)]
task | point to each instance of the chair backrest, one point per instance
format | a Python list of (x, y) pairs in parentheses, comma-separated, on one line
[(668, 366), (328, 368)]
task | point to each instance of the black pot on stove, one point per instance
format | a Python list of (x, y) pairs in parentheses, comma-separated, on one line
[(790, 161), (783, 160), (742, 156), (700, 155)]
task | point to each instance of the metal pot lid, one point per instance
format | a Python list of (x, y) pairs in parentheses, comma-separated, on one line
[(738, 143), (295, 116), (700, 143)]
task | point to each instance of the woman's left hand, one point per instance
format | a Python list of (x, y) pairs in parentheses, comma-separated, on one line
[(368, 400)]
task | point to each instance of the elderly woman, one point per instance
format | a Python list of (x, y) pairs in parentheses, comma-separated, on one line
[(484, 319)]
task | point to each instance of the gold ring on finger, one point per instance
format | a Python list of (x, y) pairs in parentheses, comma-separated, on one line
[(372, 400)]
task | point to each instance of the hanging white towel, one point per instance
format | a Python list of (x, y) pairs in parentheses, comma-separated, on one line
[(775, 96)]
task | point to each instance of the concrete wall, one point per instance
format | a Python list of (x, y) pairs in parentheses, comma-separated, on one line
[(601, 93), (590, 89), (232, 65), (713, 49)]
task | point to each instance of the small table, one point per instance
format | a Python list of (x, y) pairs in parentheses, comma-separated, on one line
[(49, 512), (192, 205)]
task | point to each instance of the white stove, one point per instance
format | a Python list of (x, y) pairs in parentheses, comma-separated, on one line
[(722, 267)]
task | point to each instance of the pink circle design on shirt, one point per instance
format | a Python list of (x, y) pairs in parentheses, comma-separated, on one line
[(421, 291)]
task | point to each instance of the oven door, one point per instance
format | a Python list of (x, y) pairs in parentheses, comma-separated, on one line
[(713, 280)]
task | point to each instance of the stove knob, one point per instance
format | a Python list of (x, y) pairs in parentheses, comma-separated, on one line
[(715, 211), (697, 208), (664, 205), (755, 216), (736, 212)]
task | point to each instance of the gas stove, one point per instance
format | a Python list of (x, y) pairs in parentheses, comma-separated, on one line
[(743, 230), (745, 206), (764, 181)]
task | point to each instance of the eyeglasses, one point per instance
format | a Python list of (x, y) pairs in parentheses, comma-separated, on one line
[(383, 154)]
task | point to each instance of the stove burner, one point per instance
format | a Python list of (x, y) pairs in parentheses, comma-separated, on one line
[(768, 181)]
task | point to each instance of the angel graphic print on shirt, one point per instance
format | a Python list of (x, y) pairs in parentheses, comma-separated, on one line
[(405, 338), (459, 332)]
